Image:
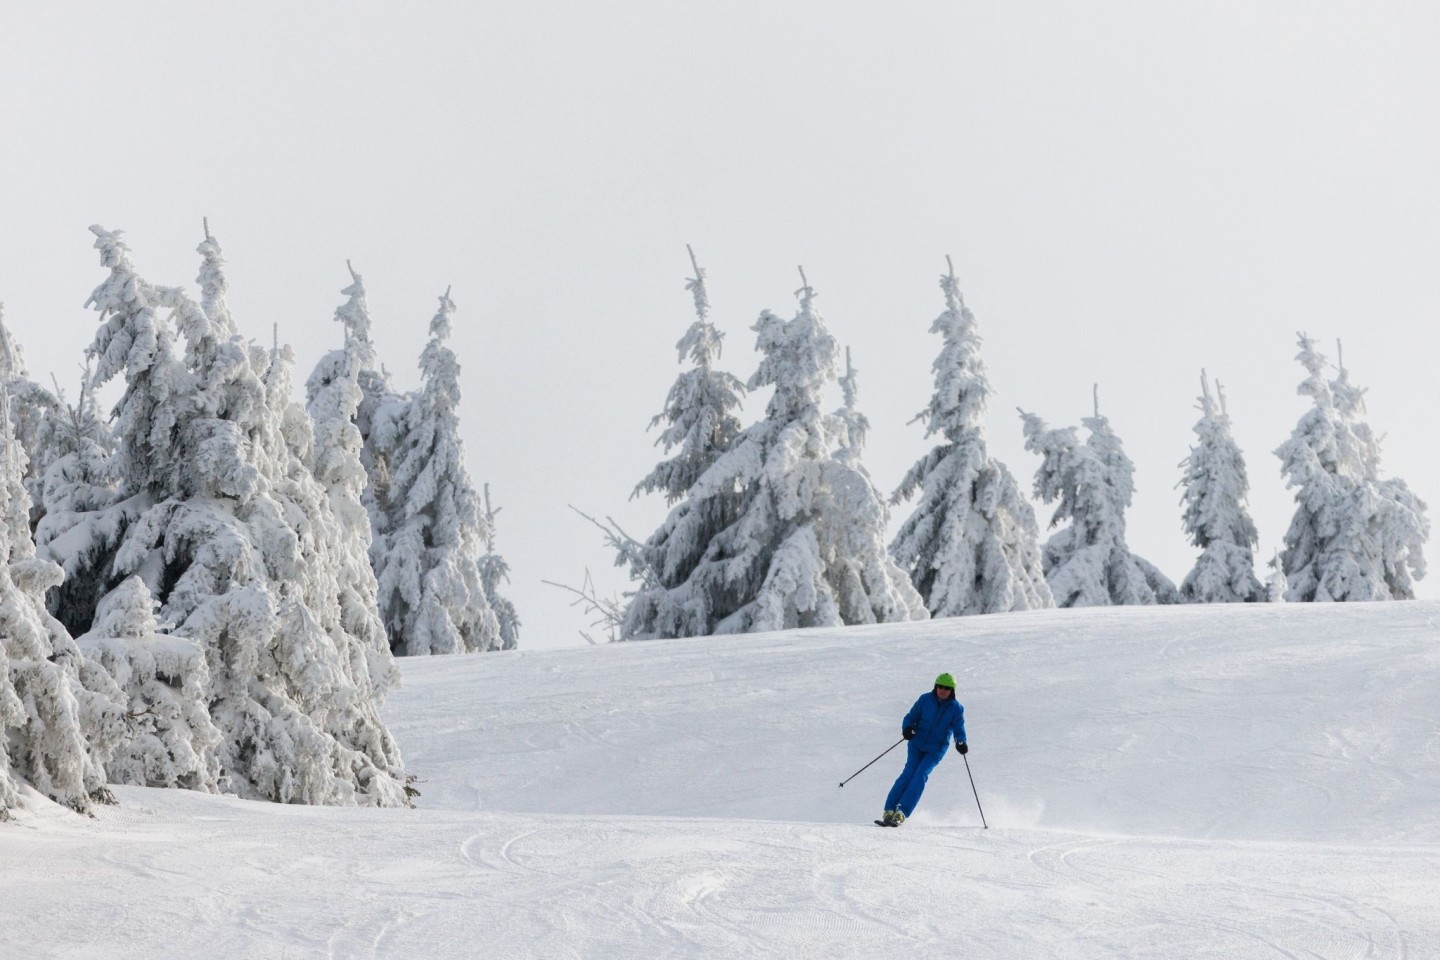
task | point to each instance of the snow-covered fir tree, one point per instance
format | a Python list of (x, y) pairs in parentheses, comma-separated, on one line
[(1088, 563), (1354, 535), (318, 610), (334, 397), (699, 414), (701, 422), (1216, 519), (84, 514), (169, 740), (799, 535), (854, 425), (493, 572), (382, 413), (427, 551), (322, 612), (1275, 585), (1395, 516), (233, 536), (34, 411), (972, 543), (59, 717), (855, 527)]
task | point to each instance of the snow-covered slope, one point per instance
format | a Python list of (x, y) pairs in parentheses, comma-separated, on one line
[(1207, 781)]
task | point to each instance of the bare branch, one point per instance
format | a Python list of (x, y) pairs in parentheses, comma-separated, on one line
[(627, 548), (609, 612)]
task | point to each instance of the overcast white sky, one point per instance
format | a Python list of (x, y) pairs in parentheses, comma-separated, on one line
[(1130, 191)]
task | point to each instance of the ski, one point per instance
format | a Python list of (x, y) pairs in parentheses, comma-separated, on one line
[(882, 823)]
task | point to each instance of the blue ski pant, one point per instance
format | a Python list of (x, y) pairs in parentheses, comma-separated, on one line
[(911, 782)]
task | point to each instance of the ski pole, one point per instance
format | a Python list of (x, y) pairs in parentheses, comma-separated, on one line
[(972, 790), (868, 765)]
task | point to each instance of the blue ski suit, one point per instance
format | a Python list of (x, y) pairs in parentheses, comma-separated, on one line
[(933, 720)]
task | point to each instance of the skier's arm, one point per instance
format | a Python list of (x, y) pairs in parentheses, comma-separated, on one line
[(913, 717), (958, 728)]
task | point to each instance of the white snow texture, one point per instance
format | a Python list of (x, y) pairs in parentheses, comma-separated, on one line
[(1216, 781)]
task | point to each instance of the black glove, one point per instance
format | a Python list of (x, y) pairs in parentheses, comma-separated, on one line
[(960, 747), (908, 733)]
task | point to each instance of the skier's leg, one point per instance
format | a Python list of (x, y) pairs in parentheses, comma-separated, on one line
[(910, 796), (892, 802)]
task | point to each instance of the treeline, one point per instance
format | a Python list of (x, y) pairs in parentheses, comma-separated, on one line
[(778, 525)]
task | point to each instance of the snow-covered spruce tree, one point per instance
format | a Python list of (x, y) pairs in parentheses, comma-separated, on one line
[(334, 398), (804, 542), (317, 610), (972, 543), (700, 420), (1354, 536), (493, 572), (431, 596), (233, 542), (169, 740), (59, 718), (1216, 519), (34, 411), (850, 545), (699, 414), (84, 513), (382, 412), (854, 425), (1275, 585), (1395, 516), (1088, 563)]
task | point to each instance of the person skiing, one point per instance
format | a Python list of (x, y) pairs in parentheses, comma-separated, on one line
[(928, 728)]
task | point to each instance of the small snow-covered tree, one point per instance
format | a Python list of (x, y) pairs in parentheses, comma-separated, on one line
[(699, 414), (1275, 585), (426, 560), (169, 740), (1216, 519), (1354, 535), (59, 718), (233, 536), (800, 534), (972, 543), (493, 572), (854, 425), (1088, 563)]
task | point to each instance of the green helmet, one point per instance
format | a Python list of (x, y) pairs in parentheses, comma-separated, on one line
[(945, 680)]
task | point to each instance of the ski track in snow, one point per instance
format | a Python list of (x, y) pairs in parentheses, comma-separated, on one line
[(1248, 782)]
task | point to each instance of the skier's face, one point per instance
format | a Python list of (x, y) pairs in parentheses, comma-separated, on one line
[(943, 693)]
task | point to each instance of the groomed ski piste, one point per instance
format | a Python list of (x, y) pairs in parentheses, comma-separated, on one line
[(1247, 781)]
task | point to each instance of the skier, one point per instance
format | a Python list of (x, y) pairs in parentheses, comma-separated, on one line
[(928, 726)]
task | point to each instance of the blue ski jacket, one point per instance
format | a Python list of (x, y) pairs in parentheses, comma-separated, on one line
[(934, 721)]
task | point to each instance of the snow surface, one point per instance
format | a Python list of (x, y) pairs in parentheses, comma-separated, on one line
[(1221, 781)]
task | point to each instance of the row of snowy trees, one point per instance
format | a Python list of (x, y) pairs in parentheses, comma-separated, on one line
[(778, 525), (237, 571)]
